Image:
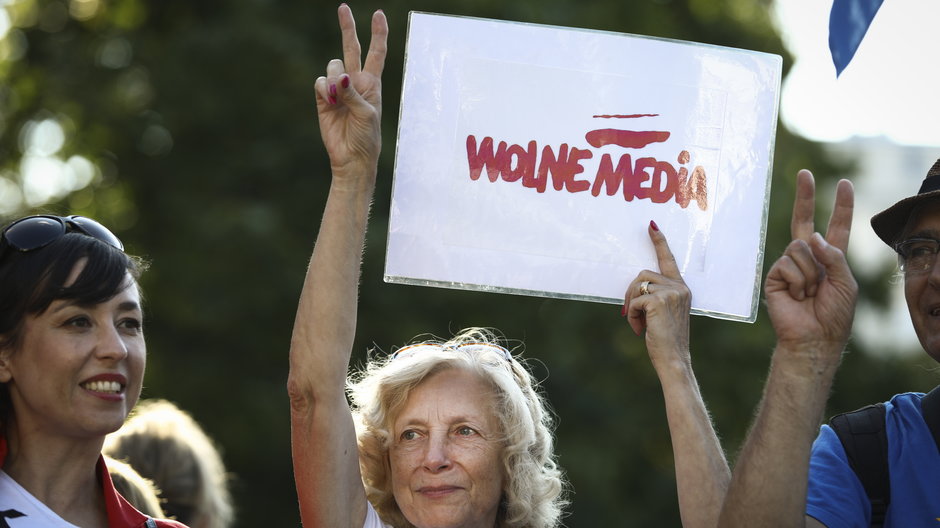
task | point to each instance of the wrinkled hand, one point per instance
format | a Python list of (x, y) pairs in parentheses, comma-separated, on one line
[(664, 310), (810, 290), (349, 97)]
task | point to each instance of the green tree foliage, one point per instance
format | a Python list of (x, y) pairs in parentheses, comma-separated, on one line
[(190, 127)]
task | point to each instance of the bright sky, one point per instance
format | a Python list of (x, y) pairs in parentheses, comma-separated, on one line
[(889, 89)]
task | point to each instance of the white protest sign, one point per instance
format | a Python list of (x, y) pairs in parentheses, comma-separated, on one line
[(531, 160)]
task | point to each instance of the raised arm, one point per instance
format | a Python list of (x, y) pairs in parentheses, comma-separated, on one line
[(811, 296), (660, 304), (323, 439)]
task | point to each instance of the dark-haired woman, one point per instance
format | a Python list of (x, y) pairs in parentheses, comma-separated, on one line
[(72, 357)]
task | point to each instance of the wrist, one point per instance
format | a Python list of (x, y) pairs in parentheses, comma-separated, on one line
[(814, 364), (354, 177), (798, 387), (674, 369)]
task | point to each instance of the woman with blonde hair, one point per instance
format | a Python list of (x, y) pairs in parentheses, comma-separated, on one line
[(450, 433), (138, 491), (520, 424), (166, 445)]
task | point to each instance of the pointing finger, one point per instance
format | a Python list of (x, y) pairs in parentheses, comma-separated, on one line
[(667, 262)]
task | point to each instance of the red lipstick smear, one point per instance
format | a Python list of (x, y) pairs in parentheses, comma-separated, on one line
[(624, 138)]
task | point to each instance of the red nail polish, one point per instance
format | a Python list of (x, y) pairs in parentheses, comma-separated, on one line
[(654, 226), (332, 89), (623, 311), (332, 100), (345, 81)]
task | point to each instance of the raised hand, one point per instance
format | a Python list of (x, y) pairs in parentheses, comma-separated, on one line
[(810, 290), (323, 436), (660, 304), (811, 297), (349, 97)]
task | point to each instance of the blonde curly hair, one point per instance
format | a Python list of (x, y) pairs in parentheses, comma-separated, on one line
[(534, 493)]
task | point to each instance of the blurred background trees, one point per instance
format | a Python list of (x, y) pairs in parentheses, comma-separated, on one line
[(190, 128)]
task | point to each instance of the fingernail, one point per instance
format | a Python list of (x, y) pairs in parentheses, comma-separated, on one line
[(654, 226), (332, 100), (623, 311), (332, 89), (345, 81)]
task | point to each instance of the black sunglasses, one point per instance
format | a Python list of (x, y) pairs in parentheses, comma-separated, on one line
[(35, 232)]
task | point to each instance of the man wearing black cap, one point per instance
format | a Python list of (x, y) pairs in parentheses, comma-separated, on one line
[(783, 477)]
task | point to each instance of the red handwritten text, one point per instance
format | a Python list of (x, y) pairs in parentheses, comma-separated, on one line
[(642, 178)]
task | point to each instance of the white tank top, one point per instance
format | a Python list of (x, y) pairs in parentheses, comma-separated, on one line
[(372, 518), (19, 509)]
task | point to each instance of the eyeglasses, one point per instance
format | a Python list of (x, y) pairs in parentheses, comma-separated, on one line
[(469, 348), (36, 232), (917, 255)]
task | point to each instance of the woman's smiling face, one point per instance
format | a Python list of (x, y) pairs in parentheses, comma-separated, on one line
[(78, 369), (445, 455)]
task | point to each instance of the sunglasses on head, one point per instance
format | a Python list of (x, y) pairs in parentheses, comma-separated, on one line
[(36, 232), (469, 348)]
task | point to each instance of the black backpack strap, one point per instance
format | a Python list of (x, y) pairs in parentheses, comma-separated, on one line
[(930, 407), (865, 440)]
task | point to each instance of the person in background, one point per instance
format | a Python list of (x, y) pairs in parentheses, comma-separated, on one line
[(166, 445), (138, 491), (72, 356)]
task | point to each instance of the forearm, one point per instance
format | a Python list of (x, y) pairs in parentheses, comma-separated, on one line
[(325, 324), (702, 473), (769, 483), (323, 438)]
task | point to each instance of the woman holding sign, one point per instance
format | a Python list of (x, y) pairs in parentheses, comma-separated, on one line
[(446, 433), (659, 303)]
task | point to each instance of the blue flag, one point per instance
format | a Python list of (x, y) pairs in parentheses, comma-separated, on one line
[(848, 22)]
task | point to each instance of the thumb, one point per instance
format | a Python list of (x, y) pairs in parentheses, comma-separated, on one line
[(346, 93), (832, 259)]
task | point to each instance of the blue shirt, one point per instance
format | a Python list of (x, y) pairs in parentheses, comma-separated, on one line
[(836, 497)]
